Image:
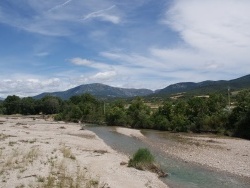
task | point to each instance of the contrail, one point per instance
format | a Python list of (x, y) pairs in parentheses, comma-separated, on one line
[(93, 14), (59, 6)]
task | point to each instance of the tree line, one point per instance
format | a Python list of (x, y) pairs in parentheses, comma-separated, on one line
[(194, 114)]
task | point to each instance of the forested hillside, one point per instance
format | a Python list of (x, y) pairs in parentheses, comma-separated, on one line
[(195, 114), (206, 87), (98, 90)]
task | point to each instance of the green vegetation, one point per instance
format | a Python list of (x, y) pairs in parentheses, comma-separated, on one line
[(84, 108), (209, 113), (29, 106), (142, 159)]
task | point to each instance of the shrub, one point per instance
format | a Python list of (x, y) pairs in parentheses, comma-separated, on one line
[(142, 159)]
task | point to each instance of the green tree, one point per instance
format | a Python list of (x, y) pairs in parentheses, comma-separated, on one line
[(2, 109), (116, 114), (180, 123), (162, 117), (196, 111), (216, 103), (239, 121), (139, 114), (12, 105), (84, 108), (180, 108), (161, 122), (166, 110), (28, 106), (71, 113), (51, 105)]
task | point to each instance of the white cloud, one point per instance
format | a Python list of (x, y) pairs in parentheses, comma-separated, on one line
[(103, 15), (59, 6), (80, 61), (29, 86), (104, 76), (215, 43), (90, 63), (215, 28), (111, 55), (55, 18)]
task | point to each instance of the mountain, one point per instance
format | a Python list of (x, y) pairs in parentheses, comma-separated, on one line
[(1, 99), (206, 86), (98, 90), (107, 92)]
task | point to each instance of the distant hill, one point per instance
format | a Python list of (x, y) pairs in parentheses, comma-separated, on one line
[(100, 91), (1, 99), (189, 88), (206, 86)]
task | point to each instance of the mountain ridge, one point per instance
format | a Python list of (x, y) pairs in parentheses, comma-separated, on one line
[(207, 86), (108, 92), (98, 90)]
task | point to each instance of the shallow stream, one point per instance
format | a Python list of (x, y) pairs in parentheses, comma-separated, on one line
[(181, 174)]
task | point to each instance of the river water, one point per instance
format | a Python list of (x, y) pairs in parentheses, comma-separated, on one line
[(181, 174)]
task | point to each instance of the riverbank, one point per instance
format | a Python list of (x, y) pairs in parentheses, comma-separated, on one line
[(36, 152), (130, 132), (226, 154), (221, 153)]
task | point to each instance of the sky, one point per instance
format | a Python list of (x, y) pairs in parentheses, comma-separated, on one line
[(54, 45)]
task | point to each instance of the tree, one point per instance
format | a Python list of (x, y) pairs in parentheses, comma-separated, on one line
[(166, 110), (216, 103), (163, 116), (71, 113), (51, 104), (161, 122), (28, 106), (180, 123), (116, 114), (196, 111), (12, 105), (2, 109), (239, 119), (139, 114)]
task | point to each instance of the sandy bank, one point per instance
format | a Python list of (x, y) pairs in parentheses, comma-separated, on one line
[(39, 153), (221, 153), (130, 132), (225, 154)]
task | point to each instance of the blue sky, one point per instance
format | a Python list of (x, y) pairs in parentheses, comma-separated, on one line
[(54, 45)]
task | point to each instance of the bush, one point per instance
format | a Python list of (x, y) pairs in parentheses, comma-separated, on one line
[(142, 159)]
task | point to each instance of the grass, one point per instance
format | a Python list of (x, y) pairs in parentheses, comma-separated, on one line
[(142, 159), (18, 160), (31, 155), (3, 136), (66, 151), (61, 176), (92, 183), (40, 179), (11, 143)]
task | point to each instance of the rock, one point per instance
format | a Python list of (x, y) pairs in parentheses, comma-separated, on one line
[(123, 163)]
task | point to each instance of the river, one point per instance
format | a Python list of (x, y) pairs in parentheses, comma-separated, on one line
[(181, 173)]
